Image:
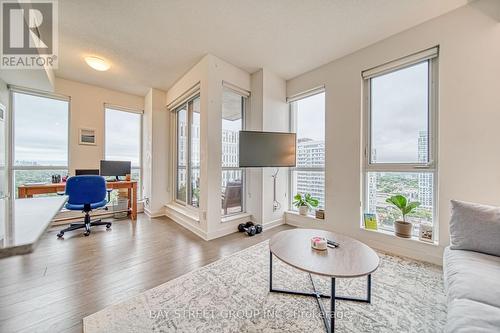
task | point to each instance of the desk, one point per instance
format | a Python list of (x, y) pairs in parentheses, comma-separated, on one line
[(27, 220), (27, 191)]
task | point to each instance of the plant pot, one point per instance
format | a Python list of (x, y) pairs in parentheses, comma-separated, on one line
[(403, 229), (303, 210)]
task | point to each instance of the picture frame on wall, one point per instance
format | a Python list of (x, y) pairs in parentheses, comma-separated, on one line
[(87, 136), (425, 233)]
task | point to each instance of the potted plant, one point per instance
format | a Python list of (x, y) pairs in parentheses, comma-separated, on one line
[(403, 228), (304, 202)]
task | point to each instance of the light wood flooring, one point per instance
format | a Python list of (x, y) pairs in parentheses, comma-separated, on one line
[(52, 289)]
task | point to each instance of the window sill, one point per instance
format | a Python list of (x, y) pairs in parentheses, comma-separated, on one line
[(308, 221), (235, 217), (180, 209), (392, 235)]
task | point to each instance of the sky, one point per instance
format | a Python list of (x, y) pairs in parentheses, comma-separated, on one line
[(399, 110), (33, 142), (123, 136), (33, 115), (311, 117)]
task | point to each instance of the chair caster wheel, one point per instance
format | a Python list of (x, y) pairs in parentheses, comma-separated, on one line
[(108, 225), (86, 233), (59, 235)]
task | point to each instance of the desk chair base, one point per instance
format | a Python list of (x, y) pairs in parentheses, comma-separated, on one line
[(87, 224)]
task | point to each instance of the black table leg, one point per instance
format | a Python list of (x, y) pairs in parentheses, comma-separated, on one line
[(329, 325), (332, 309)]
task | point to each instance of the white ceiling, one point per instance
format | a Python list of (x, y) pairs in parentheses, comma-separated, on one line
[(152, 43)]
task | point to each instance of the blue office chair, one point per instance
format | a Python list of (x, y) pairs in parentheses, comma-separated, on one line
[(85, 193)]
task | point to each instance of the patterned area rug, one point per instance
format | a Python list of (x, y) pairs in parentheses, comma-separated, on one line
[(231, 295)]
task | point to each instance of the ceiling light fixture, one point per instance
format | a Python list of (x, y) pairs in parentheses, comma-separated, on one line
[(97, 63)]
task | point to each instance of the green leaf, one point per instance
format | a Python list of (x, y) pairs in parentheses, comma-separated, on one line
[(397, 200), (314, 202)]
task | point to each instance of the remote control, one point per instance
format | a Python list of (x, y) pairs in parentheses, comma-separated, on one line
[(332, 243)]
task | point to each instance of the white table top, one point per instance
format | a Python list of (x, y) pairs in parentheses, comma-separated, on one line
[(351, 259), (23, 223)]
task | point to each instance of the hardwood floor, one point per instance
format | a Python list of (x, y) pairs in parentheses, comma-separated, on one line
[(52, 289)]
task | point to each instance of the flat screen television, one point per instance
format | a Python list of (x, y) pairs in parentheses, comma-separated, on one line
[(267, 149)]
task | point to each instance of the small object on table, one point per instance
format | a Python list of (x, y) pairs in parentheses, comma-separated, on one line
[(319, 243), (56, 179), (332, 243), (128, 177), (320, 214)]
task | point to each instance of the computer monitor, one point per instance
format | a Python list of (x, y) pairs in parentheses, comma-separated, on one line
[(115, 168), (81, 172)]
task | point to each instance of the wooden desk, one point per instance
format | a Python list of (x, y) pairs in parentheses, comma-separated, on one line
[(27, 191)]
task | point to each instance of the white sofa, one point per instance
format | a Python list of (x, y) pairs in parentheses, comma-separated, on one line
[(471, 276), (472, 282)]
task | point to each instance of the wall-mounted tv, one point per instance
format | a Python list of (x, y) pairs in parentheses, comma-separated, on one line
[(267, 149)]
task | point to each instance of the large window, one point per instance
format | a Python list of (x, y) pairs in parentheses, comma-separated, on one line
[(308, 121), (400, 157), (188, 153), (123, 140), (233, 178), (40, 147)]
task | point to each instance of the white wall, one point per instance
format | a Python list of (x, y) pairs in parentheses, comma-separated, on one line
[(210, 72), (87, 111), (4, 93), (469, 114), (269, 112), (156, 166)]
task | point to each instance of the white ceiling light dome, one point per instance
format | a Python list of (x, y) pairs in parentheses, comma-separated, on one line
[(97, 63)]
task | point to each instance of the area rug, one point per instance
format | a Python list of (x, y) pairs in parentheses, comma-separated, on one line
[(232, 295)]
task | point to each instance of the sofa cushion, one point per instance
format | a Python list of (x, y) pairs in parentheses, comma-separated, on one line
[(475, 227), (465, 316), (472, 275)]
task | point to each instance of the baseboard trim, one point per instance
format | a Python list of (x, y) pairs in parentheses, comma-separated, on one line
[(273, 224), (185, 222), (158, 213)]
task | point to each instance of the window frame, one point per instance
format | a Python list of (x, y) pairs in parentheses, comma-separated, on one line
[(140, 167), (293, 129), (244, 106), (188, 103), (432, 126), (11, 167)]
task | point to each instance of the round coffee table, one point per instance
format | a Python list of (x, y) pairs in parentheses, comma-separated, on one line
[(349, 260)]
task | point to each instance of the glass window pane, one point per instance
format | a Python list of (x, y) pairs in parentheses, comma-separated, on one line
[(399, 115), (308, 116), (312, 182), (40, 131), (195, 153), (232, 179), (181, 153), (416, 186), (123, 136), (310, 129), (232, 124), (123, 140), (22, 177), (232, 191)]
